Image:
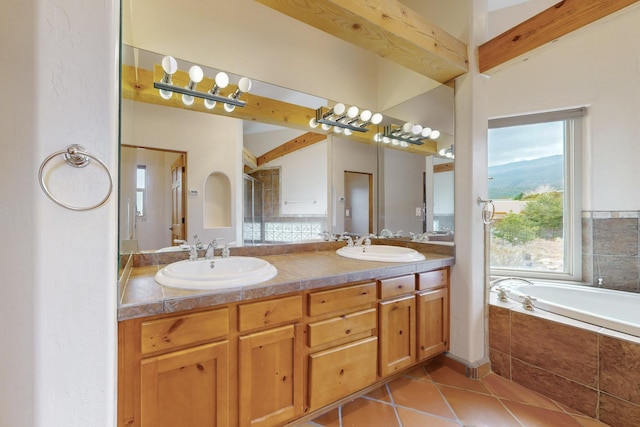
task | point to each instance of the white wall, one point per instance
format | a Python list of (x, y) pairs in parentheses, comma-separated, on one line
[(58, 305), (597, 67), (403, 191), (213, 144)]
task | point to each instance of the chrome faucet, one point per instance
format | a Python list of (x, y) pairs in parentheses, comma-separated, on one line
[(364, 239), (199, 244), (193, 253), (209, 254)]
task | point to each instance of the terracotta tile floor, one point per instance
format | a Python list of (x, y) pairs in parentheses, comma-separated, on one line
[(445, 398)]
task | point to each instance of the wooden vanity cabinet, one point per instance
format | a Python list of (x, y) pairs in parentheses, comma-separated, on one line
[(433, 313), (175, 370), (270, 362), (342, 343)]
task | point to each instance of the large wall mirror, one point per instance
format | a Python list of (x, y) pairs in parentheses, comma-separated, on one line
[(189, 171)]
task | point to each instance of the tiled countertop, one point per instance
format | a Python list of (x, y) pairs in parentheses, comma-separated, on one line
[(297, 271)]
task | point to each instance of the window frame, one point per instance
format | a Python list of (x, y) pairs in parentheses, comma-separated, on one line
[(574, 128), (142, 190)]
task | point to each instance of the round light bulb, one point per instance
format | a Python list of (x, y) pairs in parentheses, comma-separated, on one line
[(326, 126), (169, 64), (404, 144), (395, 142), (187, 100), (425, 132), (406, 128), (386, 139), (365, 116), (196, 74), (337, 129), (209, 104), (352, 112), (339, 109), (416, 129), (312, 123), (435, 134), (244, 84), (347, 132), (376, 119), (165, 94), (229, 107), (377, 137), (222, 79)]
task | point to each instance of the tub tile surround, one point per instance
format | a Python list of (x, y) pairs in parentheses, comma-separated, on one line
[(611, 249), (592, 370)]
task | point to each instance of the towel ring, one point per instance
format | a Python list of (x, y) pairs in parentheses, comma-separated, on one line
[(488, 210), (78, 157)]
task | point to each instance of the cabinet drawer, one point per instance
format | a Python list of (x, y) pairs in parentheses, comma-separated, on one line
[(397, 286), (341, 327), (166, 334), (341, 299), (268, 313), (340, 371), (433, 279)]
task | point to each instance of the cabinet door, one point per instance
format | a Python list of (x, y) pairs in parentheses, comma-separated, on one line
[(433, 323), (186, 388), (270, 371), (397, 334)]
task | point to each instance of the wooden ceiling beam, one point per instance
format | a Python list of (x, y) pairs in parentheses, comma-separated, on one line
[(546, 27), (291, 146), (137, 85), (387, 28)]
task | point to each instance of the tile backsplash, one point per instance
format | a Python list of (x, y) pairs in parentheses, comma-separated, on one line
[(611, 249)]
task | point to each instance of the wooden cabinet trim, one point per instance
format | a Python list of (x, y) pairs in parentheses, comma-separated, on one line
[(269, 313), (179, 331), (345, 298)]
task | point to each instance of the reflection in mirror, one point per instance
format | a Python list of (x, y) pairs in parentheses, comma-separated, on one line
[(251, 183)]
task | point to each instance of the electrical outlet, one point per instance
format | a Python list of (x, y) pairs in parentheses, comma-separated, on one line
[(418, 211)]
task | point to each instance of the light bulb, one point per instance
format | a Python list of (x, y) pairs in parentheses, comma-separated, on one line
[(406, 128), (347, 132), (313, 123), (229, 107), (425, 132), (326, 126), (339, 109), (195, 76), (416, 129), (169, 66), (337, 129), (377, 137), (221, 81), (376, 119), (365, 116), (386, 139), (442, 152), (244, 85), (435, 134), (395, 142), (352, 112)]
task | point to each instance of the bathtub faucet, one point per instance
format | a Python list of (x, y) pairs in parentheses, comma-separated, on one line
[(504, 279), (527, 302)]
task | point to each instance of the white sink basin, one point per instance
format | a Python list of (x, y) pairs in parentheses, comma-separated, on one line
[(218, 273), (174, 248), (381, 253)]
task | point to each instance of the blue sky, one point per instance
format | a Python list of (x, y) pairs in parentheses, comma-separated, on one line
[(527, 142)]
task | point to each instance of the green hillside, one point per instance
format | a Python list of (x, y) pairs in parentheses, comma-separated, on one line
[(509, 180)]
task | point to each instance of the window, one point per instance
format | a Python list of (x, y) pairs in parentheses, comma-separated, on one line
[(141, 187), (534, 170)]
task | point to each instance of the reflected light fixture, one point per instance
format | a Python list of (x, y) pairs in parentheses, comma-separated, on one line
[(449, 153), (169, 66), (343, 119), (244, 85), (409, 133), (196, 75)]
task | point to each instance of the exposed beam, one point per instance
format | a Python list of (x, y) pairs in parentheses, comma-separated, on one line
[(137, 85), (291, 146), (547, 26), (387, 28), (443, 167), (249, 159)]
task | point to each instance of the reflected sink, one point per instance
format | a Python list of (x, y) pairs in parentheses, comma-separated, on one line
[(218, 273), (174, 248), (381, 253)]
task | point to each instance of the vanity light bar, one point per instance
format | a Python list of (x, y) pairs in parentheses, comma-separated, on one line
[(198, 94), (410, 133), (343, 119), (166, 87)]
